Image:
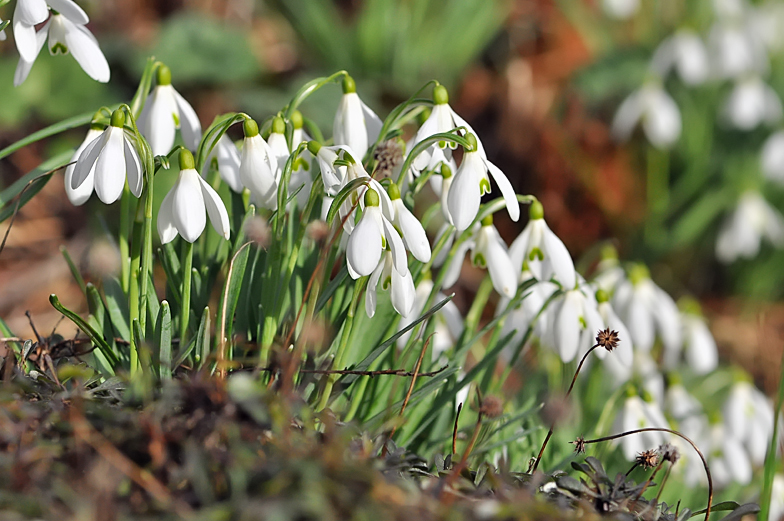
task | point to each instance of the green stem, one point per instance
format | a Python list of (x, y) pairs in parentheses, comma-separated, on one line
[(125, 233), (134, 298), (480, 300), (770, 460), (342, 347), (185, 312), (146, 262), (658, 195)]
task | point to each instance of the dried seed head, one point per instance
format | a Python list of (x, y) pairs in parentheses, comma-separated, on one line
[(492, 407), (648, 459), (317, 230), (669, 453), (608, 339), (579, 445), (388, 156), (258, 231)]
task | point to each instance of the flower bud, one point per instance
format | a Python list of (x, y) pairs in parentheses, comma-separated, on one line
[(314, 147)]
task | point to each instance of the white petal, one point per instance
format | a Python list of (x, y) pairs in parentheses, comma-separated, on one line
[(499, 265), (31, 12), (640, 323), (364, 245), (216, 210), (70, 10), (662, 119), (627, 116), (403, 292), (189, 122), (157, 121), (510, 197), (445, 228), (86, 51), (567, 326), (166, 229), (228, 163), (188, 205), (456, 264), (559, 258), (110, 167), (133, 169), (464, 195), (414, 235), (349, 127), (372, 122), (772, 157), (80, 195), (256, 170), (396, 245), (519, 248), (370, 292), (85, 165), (701, 353)]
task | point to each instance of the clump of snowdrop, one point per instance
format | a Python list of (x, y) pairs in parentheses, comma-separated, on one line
[(165, 111), (544, 254), (744, 229), (655, 110), (356, 125), (183, 209), (105, 163), (751, 103), (66, 32)]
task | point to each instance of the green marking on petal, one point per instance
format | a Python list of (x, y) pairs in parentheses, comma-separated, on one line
[(536, 254), (479, 260), (484, 186), (59, 48)]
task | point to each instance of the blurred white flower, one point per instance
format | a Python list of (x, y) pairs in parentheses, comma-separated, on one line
[(661, 119), (679, 402), (751, 103), (164, 112), (647, 310), (227, 157), (371, 236), (355, 125), (735, 51), (400, 284), (728, 461), (701, 352), (620, 9), (685, 52), (471, 183), (777, 499), (573, 324), (541, 251), (522, 317), (748, 417), (80, 195), (258, 167), (183, 209), (110, 157), (772, 157), (448, 321), (639, 414), (751, 221), (624, 352), (65, 36)]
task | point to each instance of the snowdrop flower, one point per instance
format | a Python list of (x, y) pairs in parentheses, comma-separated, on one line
[(300, 175), (471, 183), (332, 175), (727, 460), (371, 236), (701, 352), (448, 321), (278, 145), (661, 119), (748, 418), (772, 157), (164, 112), (609, 272), (440, 182), (623, 353), (743, 231), (356, 125), (751, 103), (647, 310), (402, 292), (735, 51), (531, 308), (182, 210), (442, 119), (620, 9), (414, 236), (685, 52), (66, 35), (109, 158), (80, 195), (679, 402), (227, 158), (542, 251), (258, 167), (639, 414), (574, 323), (777, 499)]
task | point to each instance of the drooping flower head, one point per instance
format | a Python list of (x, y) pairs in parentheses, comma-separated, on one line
[(183, 209), (414, 236), (106, 162), (258, 167), (80, 195), (356, 125), (370, 237), (751, 103), (752, 220), (685, 52), (400, 285), (164, 112), (700, 347), (651, 105)]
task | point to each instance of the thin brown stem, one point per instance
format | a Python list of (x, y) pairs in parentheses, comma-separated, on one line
[(382, 372), (552, 426), (664, 481), (676, 433), (454, 430)]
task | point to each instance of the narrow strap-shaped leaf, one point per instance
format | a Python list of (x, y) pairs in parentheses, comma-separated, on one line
[(163, 338), (62, 126), (203, 338), (96, 337), (74, 270), (117, 306), (36, 179), (341, 197)]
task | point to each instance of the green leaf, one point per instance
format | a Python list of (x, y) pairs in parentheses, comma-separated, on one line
[(117, 306), (341, 197), (232, 288), (76, 121), (74, 270), (30, 184), (202, 344), (718, 507), (163, 339), (95, 337)]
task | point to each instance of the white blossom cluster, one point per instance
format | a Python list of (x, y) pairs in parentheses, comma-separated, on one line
[(735, 50)]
